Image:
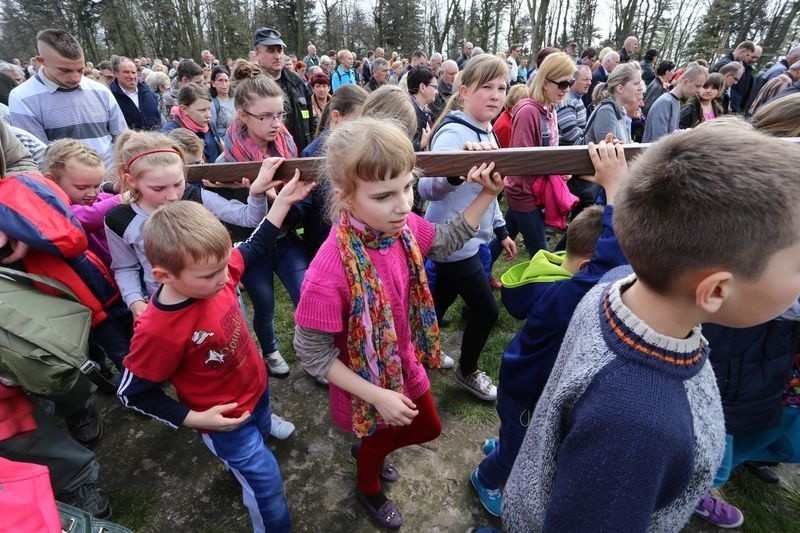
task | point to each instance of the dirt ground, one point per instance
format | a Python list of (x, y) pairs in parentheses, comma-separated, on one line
[(162, 480)]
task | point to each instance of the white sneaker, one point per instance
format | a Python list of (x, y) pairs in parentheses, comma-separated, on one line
[(281, 428), (447, 362), (276, 364), (478, 384)]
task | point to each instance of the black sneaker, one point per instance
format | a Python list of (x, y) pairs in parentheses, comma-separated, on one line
[(763, 471), (91, 499), (86, 426)]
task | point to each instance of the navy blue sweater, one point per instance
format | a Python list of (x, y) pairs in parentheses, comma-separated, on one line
[(144, 117)]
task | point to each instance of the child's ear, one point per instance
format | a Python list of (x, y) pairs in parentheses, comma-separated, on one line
[(341, 199), (129, 180), (462, 90), (162, 275), (584, 263), (50, 176), (713, 290)]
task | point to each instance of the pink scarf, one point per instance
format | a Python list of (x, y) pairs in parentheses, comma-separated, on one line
[(240, 147), (183, 119)]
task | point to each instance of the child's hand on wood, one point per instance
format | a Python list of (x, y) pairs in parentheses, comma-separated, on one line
[(264, 181), (492, 182), (395, 408), (610, 166)]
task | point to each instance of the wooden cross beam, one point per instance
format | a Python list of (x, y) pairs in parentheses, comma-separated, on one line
[(522, 161), (517, 161)]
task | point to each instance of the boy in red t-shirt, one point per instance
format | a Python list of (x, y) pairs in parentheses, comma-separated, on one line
[(193, 335)]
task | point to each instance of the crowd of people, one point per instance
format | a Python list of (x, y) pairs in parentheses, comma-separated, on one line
[(609, 394)]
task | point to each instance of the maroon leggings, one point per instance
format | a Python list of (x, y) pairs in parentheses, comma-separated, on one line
[(425, 427)]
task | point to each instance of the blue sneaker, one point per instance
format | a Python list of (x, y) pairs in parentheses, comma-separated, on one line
[(492, 500), (489, 445)]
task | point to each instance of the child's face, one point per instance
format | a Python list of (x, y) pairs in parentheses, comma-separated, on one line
[(707, 94), (383, 205), (201, 279), (484, 103), (158, 186), (81, 182), (758, 300), (199, 111), (263, 118), (193, 158)]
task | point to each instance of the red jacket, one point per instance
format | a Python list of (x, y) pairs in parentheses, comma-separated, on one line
[(35, 211)]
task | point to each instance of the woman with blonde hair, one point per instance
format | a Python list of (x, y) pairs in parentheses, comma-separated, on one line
[(610, 99), (535, 123), (780, 117)]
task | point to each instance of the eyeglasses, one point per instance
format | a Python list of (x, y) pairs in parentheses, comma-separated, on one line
[(269, 117), (562, 85), (433, 85)]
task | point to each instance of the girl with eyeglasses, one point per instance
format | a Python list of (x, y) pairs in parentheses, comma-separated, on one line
[(256, 133), (536, 201)]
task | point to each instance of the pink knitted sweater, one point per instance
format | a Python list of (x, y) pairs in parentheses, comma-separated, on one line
[(325, 305)]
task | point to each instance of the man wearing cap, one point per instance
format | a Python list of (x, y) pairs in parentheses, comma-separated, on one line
[(269, 54)]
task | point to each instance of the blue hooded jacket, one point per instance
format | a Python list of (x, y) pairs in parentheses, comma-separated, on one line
[(547, 308)]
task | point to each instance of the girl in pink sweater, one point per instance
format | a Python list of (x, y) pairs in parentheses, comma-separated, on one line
[(366, 320), (79, 170)]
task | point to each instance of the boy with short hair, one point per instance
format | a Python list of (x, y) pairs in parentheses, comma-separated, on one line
[(546, 292), (663, 116), (193, 334), (629, 430)]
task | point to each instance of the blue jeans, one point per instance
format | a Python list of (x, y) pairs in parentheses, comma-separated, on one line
[(244, 452), (780, 444), (530, 224), (514, 419), (287, 259), (113, 335)]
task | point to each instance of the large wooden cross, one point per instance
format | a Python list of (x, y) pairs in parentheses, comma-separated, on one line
[(518, 161)]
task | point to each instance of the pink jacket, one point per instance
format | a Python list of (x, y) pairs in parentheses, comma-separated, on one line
[(552, 193), (92, 218), (325, 305)]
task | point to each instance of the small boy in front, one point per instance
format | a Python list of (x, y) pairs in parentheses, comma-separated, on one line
[(629, 430), (193, 335)]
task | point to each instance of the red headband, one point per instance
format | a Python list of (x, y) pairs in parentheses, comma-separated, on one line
[(148, 152)]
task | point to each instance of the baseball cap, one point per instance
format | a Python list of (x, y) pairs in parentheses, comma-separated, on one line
[(268, 37)]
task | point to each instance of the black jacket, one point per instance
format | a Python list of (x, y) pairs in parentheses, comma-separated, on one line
[(298, 108), (144, 117), (752, 366)]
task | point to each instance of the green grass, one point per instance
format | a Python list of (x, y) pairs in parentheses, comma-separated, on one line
[(767, 508), (133, 508)]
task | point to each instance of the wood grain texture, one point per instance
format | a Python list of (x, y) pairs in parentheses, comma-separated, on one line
[(533, 161), (518, 161)]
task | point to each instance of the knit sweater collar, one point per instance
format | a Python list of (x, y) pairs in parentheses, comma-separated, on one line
[(632, 339)]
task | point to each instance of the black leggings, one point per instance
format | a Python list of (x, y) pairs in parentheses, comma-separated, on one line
[(467, 279)]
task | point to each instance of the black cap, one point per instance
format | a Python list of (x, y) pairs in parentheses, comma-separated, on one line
[(267, 37)]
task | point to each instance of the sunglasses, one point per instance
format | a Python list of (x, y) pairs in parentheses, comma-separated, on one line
[(562, 85)]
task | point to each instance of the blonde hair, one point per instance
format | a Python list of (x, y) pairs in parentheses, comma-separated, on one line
[(780, 117), (128, 159), (182, 232), (365, 149), (515, 94), (622, 74), (187, 140), (391, 102), (479, 70), (249, 83), (58, 154), (554, 66), (602, 54)]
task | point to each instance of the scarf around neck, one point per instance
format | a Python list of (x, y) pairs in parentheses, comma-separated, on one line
[(372, 349), (240, 147)]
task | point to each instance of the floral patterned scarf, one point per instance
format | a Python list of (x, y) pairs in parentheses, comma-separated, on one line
[(240, 147), (372, 348)]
